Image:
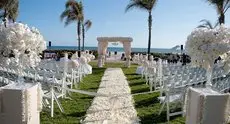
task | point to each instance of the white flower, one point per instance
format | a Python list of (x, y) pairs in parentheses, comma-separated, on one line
[(205, 45), (20, 44)]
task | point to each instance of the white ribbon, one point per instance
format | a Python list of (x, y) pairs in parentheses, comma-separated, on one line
[(83, 92)]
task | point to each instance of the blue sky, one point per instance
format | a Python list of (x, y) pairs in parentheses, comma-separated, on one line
[(173, 21)]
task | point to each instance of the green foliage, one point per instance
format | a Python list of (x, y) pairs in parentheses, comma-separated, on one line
[(74, 13), (60, 53), (222, 7), (207, 24), (146, 5), (9, 10), (87, 24)]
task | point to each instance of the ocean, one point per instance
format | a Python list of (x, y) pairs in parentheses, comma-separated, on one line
[(117, 49)]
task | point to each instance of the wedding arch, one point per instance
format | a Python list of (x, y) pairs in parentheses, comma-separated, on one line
[(103, 44)]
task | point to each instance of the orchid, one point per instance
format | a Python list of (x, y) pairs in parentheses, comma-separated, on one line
[(20, 45), (205, 45)]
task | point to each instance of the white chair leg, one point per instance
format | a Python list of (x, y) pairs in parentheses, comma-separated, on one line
[(151, 84), (162, 107), (52, 101), (58, 103), (147, 79), (155, 85), (168, 111)]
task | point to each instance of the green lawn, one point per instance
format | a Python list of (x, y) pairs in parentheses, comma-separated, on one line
[(147, 106), (75, 109)]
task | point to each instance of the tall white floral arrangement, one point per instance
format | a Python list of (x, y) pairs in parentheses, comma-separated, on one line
[(20, 45), (205, 45)]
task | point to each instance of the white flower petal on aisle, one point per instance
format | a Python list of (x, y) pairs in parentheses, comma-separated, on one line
[(118, 107)]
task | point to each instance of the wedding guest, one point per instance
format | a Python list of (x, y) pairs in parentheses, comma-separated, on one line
[(184, 59), (109, 53), (122, 56)]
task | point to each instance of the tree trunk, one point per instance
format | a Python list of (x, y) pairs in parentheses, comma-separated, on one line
[(83, 37), (150, 28), (222, 18), (79, 35), (4, 17)]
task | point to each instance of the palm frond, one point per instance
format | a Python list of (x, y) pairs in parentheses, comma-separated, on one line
[(10, 8), (69, 21), (70, 3), (73, 12), (207, 24), (147, 5), (13, 13), (216, 24), (80, 11), (201, 26), (226, 6), (219, 5), (134, 4), (87, 24), (64, 14)]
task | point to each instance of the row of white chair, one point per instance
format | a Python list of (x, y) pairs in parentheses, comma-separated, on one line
[(47, 77), (173, 80)]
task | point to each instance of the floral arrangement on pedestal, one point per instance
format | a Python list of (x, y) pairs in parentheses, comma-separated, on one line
[(205, 45), (20, 45)]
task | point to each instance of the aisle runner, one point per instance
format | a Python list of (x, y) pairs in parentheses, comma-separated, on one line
[(118, 107)]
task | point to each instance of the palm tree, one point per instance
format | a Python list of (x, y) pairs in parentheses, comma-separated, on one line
[(86, 25), (221, 6), (9, 10), (146, 5), (207, 24), (73, 13)]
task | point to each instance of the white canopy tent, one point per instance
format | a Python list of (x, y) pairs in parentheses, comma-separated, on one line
[(103, 44)]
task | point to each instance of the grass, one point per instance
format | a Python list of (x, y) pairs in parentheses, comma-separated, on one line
[(76, 108), (147, 105)]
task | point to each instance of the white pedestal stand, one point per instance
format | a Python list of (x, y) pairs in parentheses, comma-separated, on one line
[(20, 104), (205, 106)]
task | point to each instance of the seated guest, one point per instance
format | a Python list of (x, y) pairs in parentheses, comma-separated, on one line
[(122, 56)]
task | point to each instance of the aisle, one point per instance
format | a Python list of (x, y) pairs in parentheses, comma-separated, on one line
[(118, 107)]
